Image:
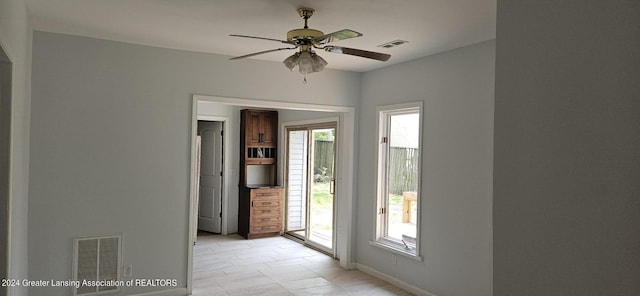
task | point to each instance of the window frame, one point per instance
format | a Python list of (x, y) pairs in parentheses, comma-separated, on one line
[(381, 239)]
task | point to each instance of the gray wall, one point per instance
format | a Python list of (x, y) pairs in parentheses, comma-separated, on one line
[(567, 148), (111, 143), (15, 40), (457, 88)]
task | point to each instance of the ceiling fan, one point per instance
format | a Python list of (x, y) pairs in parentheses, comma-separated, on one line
[(306, 40)]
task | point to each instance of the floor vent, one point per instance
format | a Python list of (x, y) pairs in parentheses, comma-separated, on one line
[(96, 264)]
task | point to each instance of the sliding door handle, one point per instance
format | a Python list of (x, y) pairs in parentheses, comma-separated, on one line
[(332, 187)]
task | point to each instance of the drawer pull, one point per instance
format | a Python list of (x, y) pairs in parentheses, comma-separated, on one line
[(266, 219), (266, 203), (266, 211)]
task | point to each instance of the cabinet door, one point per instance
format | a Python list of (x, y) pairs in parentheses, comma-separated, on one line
[(253, 127), (269, 127)]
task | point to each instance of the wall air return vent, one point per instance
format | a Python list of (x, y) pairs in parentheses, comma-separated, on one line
[(96, 265)]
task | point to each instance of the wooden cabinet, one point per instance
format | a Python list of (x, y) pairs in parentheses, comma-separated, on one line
[(261, 212), (258, 141), (259, 136), (261, 204), (261, 128)]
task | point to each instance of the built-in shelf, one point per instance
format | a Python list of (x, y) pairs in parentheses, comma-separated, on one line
[(260, 152)]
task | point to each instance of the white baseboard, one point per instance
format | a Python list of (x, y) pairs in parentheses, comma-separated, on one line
[(172, 292), (394, 281)]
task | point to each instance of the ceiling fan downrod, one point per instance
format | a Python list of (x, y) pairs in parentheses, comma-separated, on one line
[(306, 14)]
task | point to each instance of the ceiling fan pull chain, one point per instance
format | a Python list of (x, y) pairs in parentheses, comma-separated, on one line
[(305, 79)]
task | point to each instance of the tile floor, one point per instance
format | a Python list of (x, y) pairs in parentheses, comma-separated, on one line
[(230, 265)]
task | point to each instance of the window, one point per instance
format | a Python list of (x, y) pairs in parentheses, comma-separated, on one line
[(398, 184)]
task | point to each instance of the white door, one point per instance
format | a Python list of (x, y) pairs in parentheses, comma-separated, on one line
[(210, 205)]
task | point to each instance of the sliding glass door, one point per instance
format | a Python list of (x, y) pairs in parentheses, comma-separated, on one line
[(311, 185)]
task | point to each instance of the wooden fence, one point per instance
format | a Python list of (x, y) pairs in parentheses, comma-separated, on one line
[(403, 170), (402, 173), (323, 160)]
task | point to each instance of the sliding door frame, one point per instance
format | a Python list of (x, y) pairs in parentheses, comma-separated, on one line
[(325, 123)]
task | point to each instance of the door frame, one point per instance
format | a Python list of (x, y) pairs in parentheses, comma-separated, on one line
[(309, 125), (345, 168)]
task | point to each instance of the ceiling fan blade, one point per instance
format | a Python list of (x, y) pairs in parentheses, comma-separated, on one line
[(261, 52), (358, 52), (336, 36), (262, 38)]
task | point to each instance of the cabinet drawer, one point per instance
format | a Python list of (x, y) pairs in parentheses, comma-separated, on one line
[(266, 220), (270, 202), (266, 193), (265, 212), (260, 228)]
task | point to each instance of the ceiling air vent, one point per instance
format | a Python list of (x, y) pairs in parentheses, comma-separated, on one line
[(393, 43)]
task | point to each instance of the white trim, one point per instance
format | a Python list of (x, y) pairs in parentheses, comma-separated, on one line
[(272, 104), (172, 292), (382, 163), (192, 195), (346, 133), (401, 106), (346, 208), (211, 117), (394, 281)]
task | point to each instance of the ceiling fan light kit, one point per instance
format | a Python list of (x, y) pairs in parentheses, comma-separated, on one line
[(307, 62), (305, 40)]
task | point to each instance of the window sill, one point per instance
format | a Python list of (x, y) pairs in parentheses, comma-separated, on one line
[(397, 249)]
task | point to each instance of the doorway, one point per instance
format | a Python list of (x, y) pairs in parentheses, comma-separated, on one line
[(310, 184), (216, 108), (210, 169)]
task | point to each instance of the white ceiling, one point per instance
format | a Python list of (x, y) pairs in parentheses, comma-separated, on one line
[(430, 26)]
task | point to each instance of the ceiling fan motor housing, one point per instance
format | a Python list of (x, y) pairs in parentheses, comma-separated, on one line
[(303, 36), (300, 35)]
